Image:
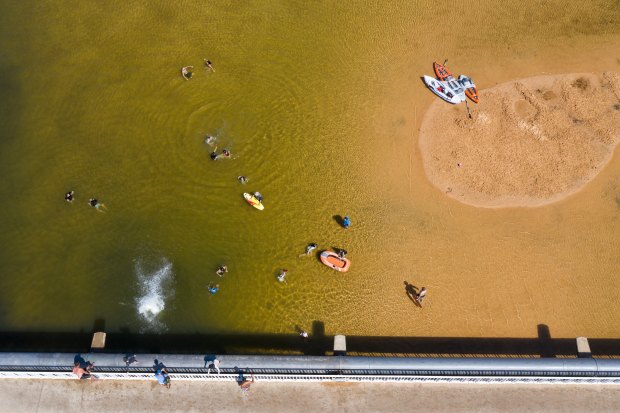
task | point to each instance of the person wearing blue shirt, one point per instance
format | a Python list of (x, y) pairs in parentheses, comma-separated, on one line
[(162, 377), (346, 222)]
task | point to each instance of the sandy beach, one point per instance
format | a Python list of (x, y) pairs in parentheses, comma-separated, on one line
[(529, 142)]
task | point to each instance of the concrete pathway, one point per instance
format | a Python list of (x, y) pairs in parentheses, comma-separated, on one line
[(25, 396)]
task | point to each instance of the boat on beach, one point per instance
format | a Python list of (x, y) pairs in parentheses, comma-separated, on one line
[(470, 88), (333, 261), (449, 90), (441, 71)]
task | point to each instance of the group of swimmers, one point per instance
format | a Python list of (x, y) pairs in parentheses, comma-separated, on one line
[(187, 71), (93, 202)]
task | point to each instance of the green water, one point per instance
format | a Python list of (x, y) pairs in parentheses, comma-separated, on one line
[(318, 103)]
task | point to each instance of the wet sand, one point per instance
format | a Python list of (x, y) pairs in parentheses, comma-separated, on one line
[(529, 142)]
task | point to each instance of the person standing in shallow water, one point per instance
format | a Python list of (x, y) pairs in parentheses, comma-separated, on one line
[(346, 222), (421, 295)]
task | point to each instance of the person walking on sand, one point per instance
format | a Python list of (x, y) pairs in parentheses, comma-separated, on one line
[(209, 65), (421, 295), (187, 72)]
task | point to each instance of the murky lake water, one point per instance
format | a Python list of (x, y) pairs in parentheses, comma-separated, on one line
[(320, 105)]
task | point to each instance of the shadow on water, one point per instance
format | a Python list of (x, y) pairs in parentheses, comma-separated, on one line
[(317, 344)]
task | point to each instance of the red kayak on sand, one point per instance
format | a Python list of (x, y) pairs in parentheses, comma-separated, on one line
[(333, 261)]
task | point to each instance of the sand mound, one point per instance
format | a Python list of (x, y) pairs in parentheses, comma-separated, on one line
[(529, 142)]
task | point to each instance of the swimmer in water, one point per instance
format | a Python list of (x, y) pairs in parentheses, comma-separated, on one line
[(187, 72), (214, 288), (210, 140), (69, 196), (310, 248), (342, 253), (242, 179), (214, 156), (222, 270), (96, 204), (209, 65), (282, 275), (258, 196), (226, 153)]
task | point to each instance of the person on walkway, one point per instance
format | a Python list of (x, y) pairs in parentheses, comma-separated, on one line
[(209, 65), (282, 275), (163, 377), (346, 222), (81, 372), (213, 288), (69, 196), (304, 335), (244, 383), (421, 295), (221, 270), (215, 364), (187, 72)]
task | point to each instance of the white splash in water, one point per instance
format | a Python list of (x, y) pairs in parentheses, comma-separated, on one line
[(154, 291)]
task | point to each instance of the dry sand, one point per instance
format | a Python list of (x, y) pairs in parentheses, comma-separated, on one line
[(528, 143)]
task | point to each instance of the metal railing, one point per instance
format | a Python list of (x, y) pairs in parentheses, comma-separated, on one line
[(317, 368), (50, 375)]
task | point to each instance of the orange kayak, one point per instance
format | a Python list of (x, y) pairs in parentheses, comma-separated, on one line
[(333, 261), (441, 71), (470, 88)]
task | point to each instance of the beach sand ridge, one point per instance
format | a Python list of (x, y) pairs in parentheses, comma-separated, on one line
[(528, 143)]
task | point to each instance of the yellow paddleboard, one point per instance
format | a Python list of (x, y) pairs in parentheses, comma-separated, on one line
[(253, 201)]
